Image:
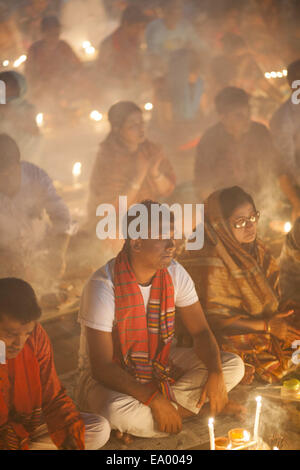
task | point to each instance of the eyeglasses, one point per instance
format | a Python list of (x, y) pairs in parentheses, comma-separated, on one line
[(242, 222)]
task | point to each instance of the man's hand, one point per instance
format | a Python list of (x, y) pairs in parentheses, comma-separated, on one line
[(165, 415), (69, 443), (215, 391)]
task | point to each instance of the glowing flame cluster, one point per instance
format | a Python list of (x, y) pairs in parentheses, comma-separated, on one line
[(287, 227), (88, 48), (96, 116), (279, 74)]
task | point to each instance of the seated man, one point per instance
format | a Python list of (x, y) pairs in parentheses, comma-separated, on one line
[(18, 116), (30, 247), (35, 412), (120, 60), (127, 315), (52, 68), (236, 150), (285, 128)]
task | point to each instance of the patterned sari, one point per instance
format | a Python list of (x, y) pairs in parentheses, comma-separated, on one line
[(236, 283)]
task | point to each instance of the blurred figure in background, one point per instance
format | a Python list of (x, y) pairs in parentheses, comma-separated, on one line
[(30, 246), (289, 263), (52, 68), (236, 150), (120, 63), (10, 36), (128, 164), (236, 66), (285, 128), (18, 116)]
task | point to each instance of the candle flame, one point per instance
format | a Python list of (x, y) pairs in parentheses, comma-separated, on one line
[(96, 116), (148, 106), (77, 169), (90, 50), (5, 63), (39, 119), (211, 421), (275, 448), (258, 399), (20, 61), (246, 436), (86, 44), (287, 227)]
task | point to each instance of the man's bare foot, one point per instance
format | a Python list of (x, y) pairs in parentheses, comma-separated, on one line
[(184, 413), (235, 409), (123, 437)]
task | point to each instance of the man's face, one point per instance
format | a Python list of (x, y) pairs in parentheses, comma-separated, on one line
[(237, 120), (157, 253), (172, 14), (14, 334), (51, 36), (136, 31), (10, 180)]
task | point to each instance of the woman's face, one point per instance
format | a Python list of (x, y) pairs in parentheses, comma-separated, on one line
[(246, 233), (133, 130)]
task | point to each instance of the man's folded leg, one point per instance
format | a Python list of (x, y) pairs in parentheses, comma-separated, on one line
[(187, 389)]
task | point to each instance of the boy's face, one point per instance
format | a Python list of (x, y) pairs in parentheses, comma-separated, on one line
[(237, 121), (14, 334)]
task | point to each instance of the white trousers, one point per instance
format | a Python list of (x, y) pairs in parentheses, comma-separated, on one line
[(97, 432), (127, 414)]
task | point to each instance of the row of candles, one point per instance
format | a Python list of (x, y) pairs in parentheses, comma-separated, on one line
[(238, 439)]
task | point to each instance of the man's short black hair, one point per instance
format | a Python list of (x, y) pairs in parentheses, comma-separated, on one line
[(293, 72), (9, 152), (49, 22), (133, 15), (230, 97), (148, 203), (18, 300)]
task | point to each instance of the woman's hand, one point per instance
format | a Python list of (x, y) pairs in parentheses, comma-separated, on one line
[(280, 328)]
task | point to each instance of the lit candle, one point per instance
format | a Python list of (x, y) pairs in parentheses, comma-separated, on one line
[(148, 106), (287, 227), (39, 119), (76, 171), (211, 433), (257, 416), (20, 61), (275, 448)]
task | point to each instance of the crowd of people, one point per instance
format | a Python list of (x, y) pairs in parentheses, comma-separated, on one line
[(166, 334)]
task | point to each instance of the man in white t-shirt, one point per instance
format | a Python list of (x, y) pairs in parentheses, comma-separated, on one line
[(141, 393)]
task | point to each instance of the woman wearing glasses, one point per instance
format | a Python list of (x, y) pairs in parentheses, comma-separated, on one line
[(237, 282)]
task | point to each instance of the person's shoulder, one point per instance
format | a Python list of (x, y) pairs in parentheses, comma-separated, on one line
[(35, 46), (103, 275), (281, 113), (211, 134), (155, 25), (260, 129), (38, 338), (32, 171)]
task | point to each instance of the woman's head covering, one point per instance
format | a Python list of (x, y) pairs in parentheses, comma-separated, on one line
[(119, 112), (232, 198)]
